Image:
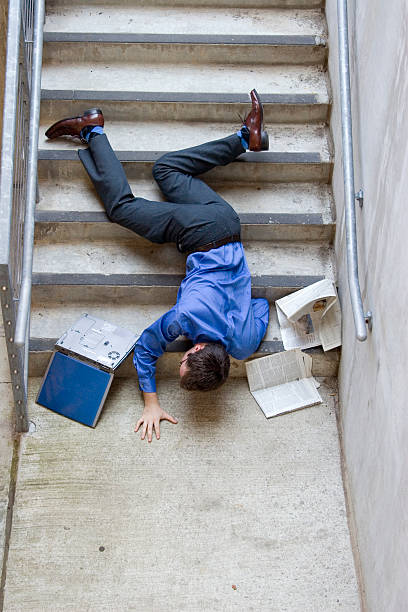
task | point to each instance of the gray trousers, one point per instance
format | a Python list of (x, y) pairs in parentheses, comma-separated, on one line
[(193, 216)]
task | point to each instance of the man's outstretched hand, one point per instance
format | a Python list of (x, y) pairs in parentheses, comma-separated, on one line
[(151, 417)]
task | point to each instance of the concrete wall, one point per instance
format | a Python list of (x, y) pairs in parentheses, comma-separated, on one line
[(3, 40), (6, 397), (373, 377)]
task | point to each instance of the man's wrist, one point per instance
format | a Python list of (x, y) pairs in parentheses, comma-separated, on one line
[(150, 398)]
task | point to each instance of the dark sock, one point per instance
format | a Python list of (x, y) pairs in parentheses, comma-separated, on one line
[(244, 136), (90, 131)]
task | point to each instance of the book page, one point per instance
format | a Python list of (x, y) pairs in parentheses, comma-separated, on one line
[(307, 364), (277, 369), (318, 322), (287, 397), (314, 298), (330, 327), (302, 334)]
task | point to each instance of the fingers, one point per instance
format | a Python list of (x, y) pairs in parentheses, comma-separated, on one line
[(148, 428), (149, 431), (149, 425), (168, 417)]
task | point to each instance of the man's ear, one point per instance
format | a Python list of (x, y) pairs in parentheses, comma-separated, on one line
[(198, 347)]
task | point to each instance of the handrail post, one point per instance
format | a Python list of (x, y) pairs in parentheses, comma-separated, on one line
[(348, 173)]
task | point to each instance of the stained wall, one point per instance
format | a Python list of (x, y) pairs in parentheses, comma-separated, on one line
[(373, 375)]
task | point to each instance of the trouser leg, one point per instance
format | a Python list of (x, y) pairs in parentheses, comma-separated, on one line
[(188, 220), (176, 172), (150, 219), (106, 172)]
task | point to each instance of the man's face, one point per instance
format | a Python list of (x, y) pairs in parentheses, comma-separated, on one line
[(183, 362)]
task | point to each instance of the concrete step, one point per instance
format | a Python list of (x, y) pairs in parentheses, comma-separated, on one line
[(224, 498), (255, 226), (168, 366), (191, 18), (111, 49), (54, 7), (216, 107), (72, 192), (267, 166), (63, 69), (171, 134), (49, 319), (58, 252), (152, 288)]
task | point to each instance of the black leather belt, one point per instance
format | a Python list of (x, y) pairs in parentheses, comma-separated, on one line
[(216, 244)]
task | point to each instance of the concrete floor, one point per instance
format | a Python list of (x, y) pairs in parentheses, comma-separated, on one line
[(6, 442), (228, 511)]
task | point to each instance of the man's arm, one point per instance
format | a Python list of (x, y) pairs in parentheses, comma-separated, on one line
[(150, 346), (261, 315)]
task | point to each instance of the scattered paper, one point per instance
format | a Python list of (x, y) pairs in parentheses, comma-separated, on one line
[(282, 382), (310, 317)]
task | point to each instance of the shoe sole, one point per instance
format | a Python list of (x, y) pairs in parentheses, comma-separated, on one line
[(264, 141), (91, 111)]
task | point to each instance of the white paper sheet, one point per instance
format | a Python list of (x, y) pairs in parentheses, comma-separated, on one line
[(310, 317), (287, 397), (282, 382)]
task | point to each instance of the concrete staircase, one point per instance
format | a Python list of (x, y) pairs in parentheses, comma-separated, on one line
[(168, 77), (260, 503)]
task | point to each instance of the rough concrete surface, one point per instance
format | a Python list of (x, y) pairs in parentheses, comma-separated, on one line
[(104, 521), (6, 406), (4, 365), (77, 193), (182, 77), (170, 19), (172, 135), (6, 442), (137, 255), (6, 456), (373, 374)]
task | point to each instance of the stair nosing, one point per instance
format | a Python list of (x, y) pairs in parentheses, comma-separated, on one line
[(161, 280), (267, 219), (275, 157), (195, 97), (275, 40)]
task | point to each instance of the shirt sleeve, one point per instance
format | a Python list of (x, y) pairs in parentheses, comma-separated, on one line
[(261, 315), (151, 344)]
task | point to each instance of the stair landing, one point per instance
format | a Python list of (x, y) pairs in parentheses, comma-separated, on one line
[(227, 511)]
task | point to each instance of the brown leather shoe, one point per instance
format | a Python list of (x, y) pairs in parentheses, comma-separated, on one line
[(258, 137), (73, 125)]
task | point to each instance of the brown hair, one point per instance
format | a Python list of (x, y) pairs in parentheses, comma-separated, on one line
[(207, 369)]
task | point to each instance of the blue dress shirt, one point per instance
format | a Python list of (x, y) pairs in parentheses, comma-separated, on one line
[(213, 305)]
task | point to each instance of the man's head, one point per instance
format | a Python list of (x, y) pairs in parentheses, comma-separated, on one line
[(204, 367)]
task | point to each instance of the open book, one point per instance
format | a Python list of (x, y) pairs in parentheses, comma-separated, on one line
[(310, 317), (282, 382)]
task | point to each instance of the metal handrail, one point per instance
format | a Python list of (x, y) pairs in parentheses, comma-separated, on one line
[(18, 182), (23, 318), (12, 130), (361, 319), (9, 121)]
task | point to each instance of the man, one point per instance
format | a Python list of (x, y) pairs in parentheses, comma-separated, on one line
[(214, 306)]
